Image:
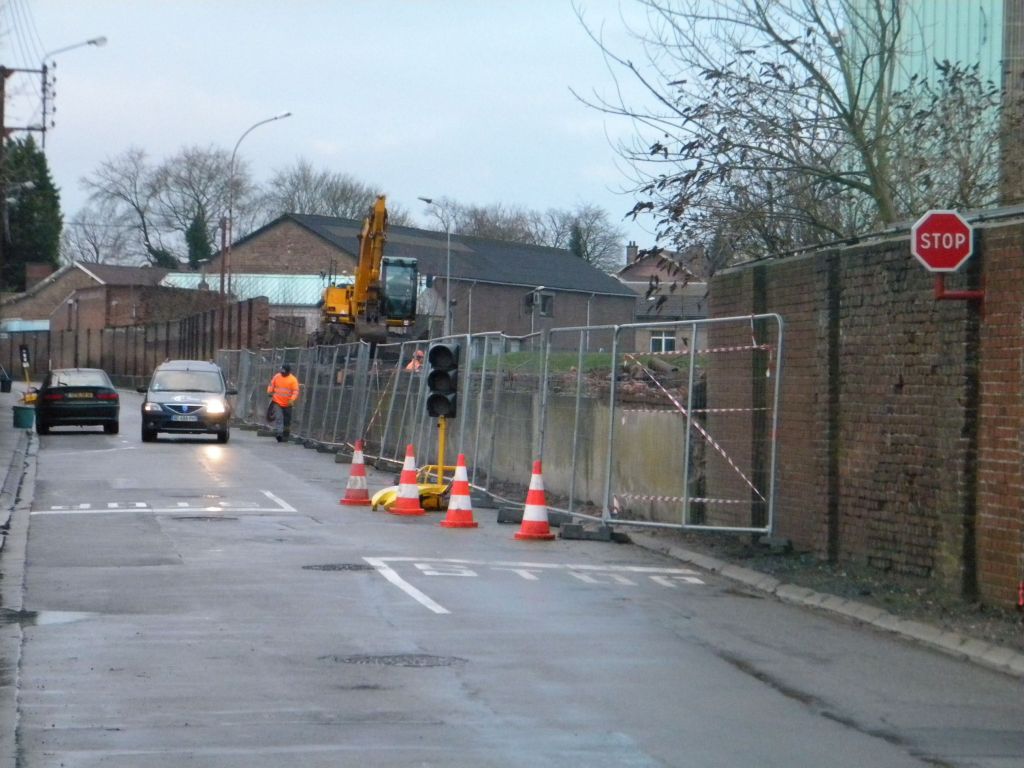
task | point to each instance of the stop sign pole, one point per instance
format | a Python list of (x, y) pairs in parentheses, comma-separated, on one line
[(943, 241)]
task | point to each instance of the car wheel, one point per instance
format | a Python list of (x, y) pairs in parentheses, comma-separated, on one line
[(148, 435), (41, 428), (112, 427), (223, 437)]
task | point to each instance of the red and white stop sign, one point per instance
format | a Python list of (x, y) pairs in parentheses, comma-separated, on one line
[(942, 241)]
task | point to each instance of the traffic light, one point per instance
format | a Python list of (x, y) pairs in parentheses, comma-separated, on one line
[(442, 379)]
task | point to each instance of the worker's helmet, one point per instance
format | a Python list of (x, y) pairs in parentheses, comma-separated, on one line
[(286, 369)]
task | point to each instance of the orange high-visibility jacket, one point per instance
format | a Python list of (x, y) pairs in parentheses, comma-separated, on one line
[(284, 389)]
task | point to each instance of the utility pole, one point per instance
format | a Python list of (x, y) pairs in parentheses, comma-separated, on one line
[(4, 74)]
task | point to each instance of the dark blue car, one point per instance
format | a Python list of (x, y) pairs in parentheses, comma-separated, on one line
[(77, 397)]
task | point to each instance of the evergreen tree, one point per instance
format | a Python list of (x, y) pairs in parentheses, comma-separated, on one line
[(199, 248), (32, 229), (577, 243)]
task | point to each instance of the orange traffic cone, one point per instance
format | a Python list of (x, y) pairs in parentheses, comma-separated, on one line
[(356, 494), (460, 508), (535, 513), (408, 501)]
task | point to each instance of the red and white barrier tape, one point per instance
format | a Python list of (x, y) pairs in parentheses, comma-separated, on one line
[(704, 433)]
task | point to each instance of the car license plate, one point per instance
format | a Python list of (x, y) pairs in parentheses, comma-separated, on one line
[(184, 417), (81, 395)]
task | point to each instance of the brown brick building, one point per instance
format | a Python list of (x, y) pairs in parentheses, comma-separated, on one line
[(492, 282)]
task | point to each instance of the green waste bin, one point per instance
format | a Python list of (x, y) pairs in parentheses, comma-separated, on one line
[(24, 416)]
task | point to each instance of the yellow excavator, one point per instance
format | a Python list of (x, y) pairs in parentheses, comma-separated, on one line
[(381, 298)]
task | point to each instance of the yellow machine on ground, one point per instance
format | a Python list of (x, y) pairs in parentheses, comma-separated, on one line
[(434, 496), (382, 296)]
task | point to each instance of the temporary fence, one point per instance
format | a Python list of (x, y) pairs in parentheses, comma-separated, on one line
[(681, 437)]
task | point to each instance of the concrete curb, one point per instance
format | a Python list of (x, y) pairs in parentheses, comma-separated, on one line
[(17, 497), (994, 657)]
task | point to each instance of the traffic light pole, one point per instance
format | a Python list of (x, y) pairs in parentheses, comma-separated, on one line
[(442, 429)]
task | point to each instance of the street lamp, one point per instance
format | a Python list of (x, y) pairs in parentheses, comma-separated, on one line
[(225, 262), (445, 217), (99, 42)]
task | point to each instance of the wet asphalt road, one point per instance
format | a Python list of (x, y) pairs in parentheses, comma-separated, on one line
[(186, 603)]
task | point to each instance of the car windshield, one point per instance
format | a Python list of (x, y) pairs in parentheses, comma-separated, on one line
[(186, 381), (78, 379)]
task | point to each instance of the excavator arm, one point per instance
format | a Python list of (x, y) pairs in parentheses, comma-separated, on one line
[(381, 295)]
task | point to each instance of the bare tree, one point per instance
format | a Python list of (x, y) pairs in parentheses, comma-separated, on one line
[(124, 183), (303, 189), (162, 202), (97, 235), (596, 240), (196, 180), (776, 123)]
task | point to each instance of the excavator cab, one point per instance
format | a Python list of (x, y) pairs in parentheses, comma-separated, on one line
[(399, 277)]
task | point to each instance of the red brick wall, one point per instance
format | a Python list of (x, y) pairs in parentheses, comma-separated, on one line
[(900, 426), (1000, 523), (285, 248)]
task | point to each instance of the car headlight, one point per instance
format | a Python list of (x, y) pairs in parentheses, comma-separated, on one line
[(151, 408), (215, 406)]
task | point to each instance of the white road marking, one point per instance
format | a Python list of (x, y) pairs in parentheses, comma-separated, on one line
[(389, 573), (86, 508), (590, 574)]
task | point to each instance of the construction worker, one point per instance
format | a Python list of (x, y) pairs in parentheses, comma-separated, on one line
[(284, 391), (417, 361)]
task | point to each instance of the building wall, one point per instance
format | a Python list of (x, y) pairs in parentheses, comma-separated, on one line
[(899, 441), (503, 308), (38, 304), (285, 248), (116, 306)]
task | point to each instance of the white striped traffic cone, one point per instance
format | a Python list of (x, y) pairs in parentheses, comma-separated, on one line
[(535, 513), (460, 508), (356, 494), (408, 501)]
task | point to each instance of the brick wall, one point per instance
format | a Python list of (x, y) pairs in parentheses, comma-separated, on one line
[(1000, 482), (900, 426), (286, 248)]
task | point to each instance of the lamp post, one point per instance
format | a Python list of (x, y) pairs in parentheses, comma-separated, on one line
[(225, 262), (445, 217), (99, 42)]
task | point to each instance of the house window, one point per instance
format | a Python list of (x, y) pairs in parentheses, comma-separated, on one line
[(546, 307), (663, 341)]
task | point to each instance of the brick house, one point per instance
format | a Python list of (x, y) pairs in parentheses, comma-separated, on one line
[(46, 295), (668, 289), (94, 296), (494, 285)]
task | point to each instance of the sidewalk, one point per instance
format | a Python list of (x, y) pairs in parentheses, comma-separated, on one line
[(17, 474), (14, 444)]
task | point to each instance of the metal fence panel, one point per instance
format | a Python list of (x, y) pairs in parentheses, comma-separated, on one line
[(680, 437)]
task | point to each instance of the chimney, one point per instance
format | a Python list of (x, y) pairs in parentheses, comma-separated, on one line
[(36, 272), (632, 250)]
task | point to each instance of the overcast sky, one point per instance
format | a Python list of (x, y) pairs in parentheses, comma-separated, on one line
[(465, 99)]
